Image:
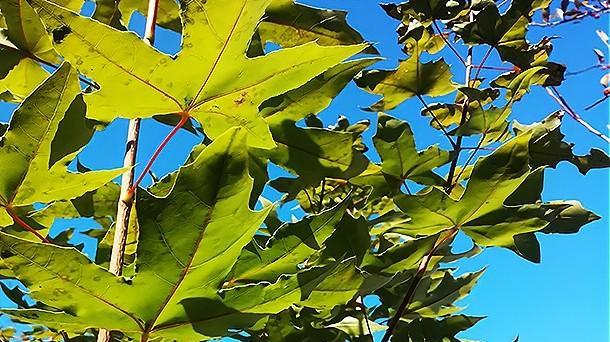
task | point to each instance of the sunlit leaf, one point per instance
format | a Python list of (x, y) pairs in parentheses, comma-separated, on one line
[(214, 83), (34, 166), (411, 78)]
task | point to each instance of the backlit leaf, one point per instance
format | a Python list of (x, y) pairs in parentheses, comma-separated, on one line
[(225, 88)]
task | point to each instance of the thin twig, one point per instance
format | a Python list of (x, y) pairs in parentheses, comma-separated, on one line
[(492, 68), (476, 148), (479, 67), (554, 93), (423, 265), (440, 125), (421, 271), (597, 102), (440, 33), (592, 67), (470, 157), (483, 136)]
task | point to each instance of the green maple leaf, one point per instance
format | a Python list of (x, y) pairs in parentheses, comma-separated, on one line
[(400, 160), (290, 245), (314, 153), (210, 79), (490, 122), (507, 32), (285, 22), (44, 135), (311, 153), (189, 241), (26, 32), (435, 296), (518, 84), (398, 258), (498, 203), (399, 157), (289, 24), (23, 40), (411, 78), (548, 148)]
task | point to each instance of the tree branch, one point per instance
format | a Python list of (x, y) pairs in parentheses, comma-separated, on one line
[(126, 201), (457, 148), (421, 271), (554, 93), (598, 101)]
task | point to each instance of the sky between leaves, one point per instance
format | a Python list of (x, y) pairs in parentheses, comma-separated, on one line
[(565, 298)]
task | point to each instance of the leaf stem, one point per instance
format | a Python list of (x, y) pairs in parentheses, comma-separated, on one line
[(440, 125), (183, 119), (589, 68), (597, 102), (480, 66), (554, 93), (421, 271), (440, 33), (458, 145), (24, 224)]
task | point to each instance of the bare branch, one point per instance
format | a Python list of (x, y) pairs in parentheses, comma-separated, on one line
[(126, 200), (597, 102), (554, 93)]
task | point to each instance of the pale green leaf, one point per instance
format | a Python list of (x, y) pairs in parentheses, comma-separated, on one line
[(35, 167), (210, 79), (411, 78)]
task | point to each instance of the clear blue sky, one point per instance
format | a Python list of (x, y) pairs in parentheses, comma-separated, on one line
[(565, 298)]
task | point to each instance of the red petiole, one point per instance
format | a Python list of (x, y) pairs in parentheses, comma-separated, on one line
[(25, 225), (184, 117), (492, 68)]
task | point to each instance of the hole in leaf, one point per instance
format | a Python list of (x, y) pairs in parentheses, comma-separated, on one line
[(60, 33)]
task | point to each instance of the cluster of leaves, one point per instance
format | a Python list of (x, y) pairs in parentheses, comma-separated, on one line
[(201, 262)]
